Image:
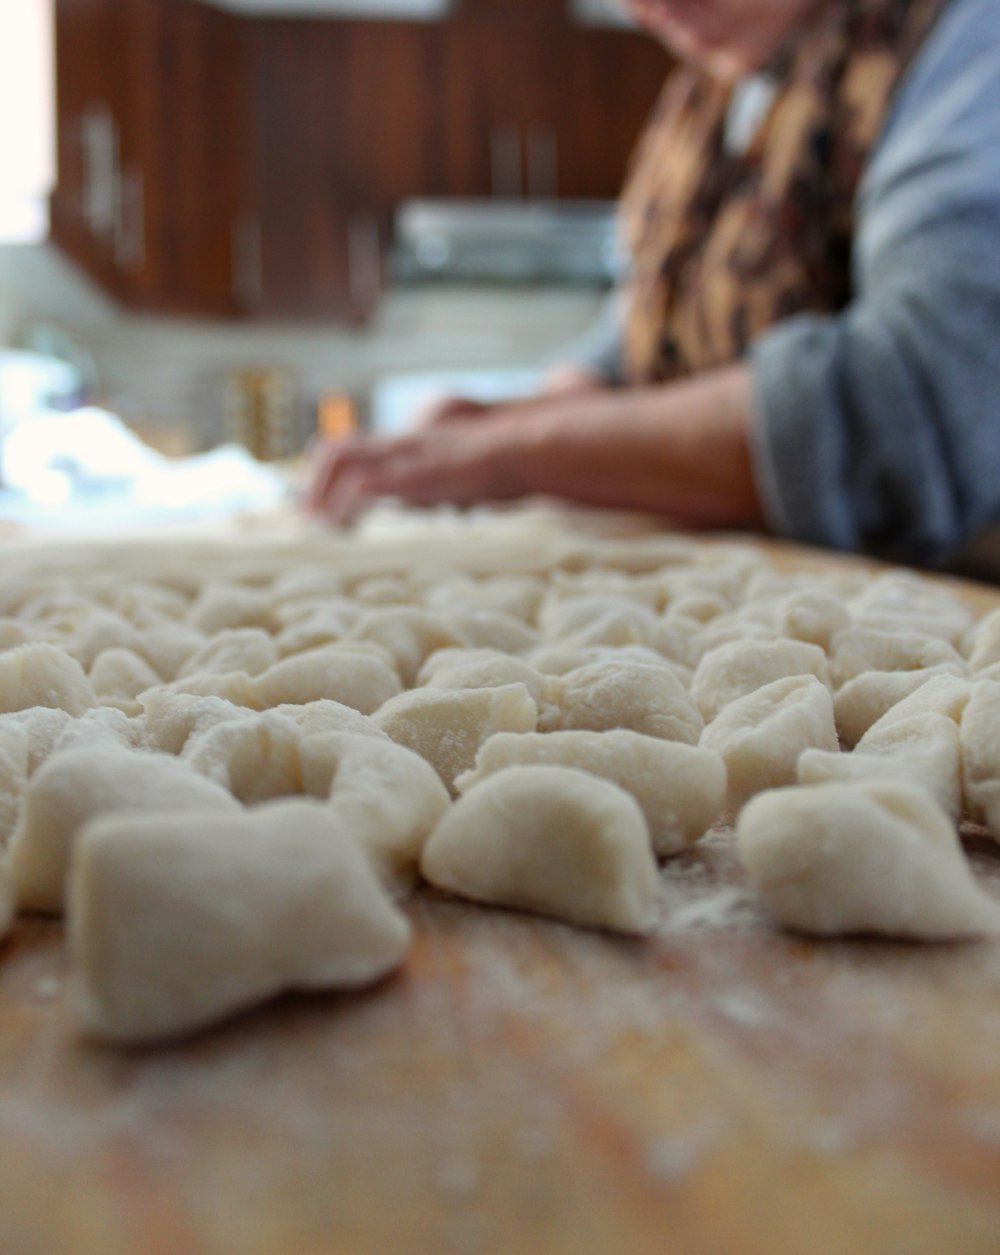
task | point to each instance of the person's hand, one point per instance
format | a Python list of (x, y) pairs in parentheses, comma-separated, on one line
[(449, 409), (456, 462)]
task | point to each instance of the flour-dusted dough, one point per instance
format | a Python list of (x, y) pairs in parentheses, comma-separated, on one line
[(611, 694), (680, 789), (410, 634), (552, 840), (357, 679), (220, 606), (43, 675), (865, 699), (231, 686), (255, 758), (178, 922), (980, 742), (122, 674), (330, 716), (740, 667), (12, 634), (943, 694), (921, 749), (862, 858), (490, 629), (761, 736), (167, 648), (813, 615), (492, 671), (13, 775), (384, 795), (448, 727), (855, 649), (170, 719), (77, 785), (248, 649)]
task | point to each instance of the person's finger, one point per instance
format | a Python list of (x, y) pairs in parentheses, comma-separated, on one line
[(448, 409)]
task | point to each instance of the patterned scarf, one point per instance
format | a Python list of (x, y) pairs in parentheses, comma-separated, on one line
[(725, 245)]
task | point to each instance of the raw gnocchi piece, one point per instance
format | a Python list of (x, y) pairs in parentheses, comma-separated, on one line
[(13, 775), (409, 634), (384, 795), (606, 695), (492, 671), (329, 716), (680, 789), (42, 675), (865, 699), (178, 922), (883, 858), (491, 629), (122, 673), (220, 606), (598, 620), (761, 736), (854, 650), (447, 728), (980, 743), (247, 649), (232, 686), (740, 667), (12, 634), (43, 727), (813, 615), (77, 785), (552, 840), (921, 749), (941, 695), (170, 719), (167, 648), (357, 679), (255, 758)]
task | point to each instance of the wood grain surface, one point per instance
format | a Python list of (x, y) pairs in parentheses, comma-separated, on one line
[(525, 1086)]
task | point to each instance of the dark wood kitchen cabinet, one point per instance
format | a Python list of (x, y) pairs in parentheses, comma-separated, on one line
[(224, 165)]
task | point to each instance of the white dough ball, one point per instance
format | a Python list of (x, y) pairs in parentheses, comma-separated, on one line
[(42, 675), (731, 671), (552, 840), (606, 695)]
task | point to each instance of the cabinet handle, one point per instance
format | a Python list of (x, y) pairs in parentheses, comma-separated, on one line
[(130, 219), (505, 161), (247, 262), (364, 263), (542, 159)]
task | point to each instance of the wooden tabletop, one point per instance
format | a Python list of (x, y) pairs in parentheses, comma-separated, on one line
[(523, 1086)]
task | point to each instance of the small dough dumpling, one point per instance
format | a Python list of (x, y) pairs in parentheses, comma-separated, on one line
[(231, 686), (984, 642), (864, 700), (43, 675), (167, 647), (329, 716), (980, 742), (491, 671), (731, 671), (255, 758), (357, 679), (246, 649), (922, 749), (680, 788), (13, 775), (943, 694), (491, 629), (598, 621), (606, 695), (177, 922), (854, 650), (13, 633), (220, 606), (812, 615), (836, 859), (169, 720), (122, 673), (761, 736), (448, 727), (384, 795), (552, 840), (75, 786), (409, 634)]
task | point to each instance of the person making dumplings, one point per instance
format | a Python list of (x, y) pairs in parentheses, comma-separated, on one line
[(809, 337)]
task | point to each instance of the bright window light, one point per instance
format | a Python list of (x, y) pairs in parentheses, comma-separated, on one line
[(27, 119)]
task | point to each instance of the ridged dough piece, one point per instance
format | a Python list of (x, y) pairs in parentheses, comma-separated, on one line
[(552, 840), (79, 785), (854, 650), (448, 727), (179, 922), (880, 858), (383, 794), (221, 606), (42, 675), (170, 719), (740, 667), (761, 736), (357, 679), (921, 750), (606, 695), (980, 742), (122, 673), (680, 789), (862, 701), (813, 615), (409, 634), (945, 694), (248, 649), (256, 758), (492, 671)]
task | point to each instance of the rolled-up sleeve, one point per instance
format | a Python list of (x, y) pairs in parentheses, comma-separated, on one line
[(879, 429)]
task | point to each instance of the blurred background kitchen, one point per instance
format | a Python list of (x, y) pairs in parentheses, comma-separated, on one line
[(246, 220)]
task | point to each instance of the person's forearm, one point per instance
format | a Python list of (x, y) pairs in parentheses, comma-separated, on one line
[(680, 449)]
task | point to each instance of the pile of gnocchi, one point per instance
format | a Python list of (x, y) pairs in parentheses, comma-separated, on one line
[(228, 765)]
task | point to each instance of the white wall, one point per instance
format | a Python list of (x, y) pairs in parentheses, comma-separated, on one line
[(27, 108)]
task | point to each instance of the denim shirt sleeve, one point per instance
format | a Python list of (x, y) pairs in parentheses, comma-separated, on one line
[(878, 429)]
